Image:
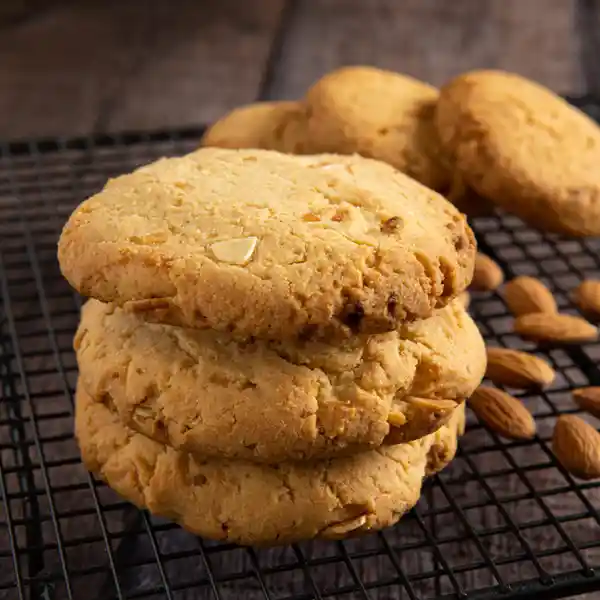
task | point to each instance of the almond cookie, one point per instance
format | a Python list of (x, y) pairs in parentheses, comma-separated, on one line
[(249, 503), (524, 148), (270, 245), (203, 392), (468, 201), (378, 114), (266, 125)]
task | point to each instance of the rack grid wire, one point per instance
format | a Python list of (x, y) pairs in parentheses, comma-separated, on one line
[(504, 520)]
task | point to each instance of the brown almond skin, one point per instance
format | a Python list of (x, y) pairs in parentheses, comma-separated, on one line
[(587, 296), (547, 327), (588, 399), (524, 295), (487, 275), (576, 445), (503, 413), (517, 369)]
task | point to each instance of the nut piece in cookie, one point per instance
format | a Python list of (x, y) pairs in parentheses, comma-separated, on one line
[(379, 114), (420, 416), (523, 148), (258, 243)]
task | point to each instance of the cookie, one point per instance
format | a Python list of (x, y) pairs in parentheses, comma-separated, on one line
[(249, 503), (524, 148), (379, 114), (202, 392), (270, 245), (266, 125), (468, 201), (295, 135)]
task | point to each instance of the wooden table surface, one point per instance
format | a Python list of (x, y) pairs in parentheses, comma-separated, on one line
[(90, 66), (80, 67)]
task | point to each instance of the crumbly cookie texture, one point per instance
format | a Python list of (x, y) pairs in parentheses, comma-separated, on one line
[(249, 503), (203, 392), (270, 245), (266, 125), (379, 114), (524, 148)]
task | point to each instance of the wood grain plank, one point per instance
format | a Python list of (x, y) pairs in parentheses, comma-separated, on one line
[(588, 26), (434, 40), (131, 65)]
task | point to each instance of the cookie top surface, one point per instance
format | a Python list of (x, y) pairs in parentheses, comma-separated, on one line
[(269, 245), (379, 114), (249, 503), (527, 150), (267, 401), (259, 125)]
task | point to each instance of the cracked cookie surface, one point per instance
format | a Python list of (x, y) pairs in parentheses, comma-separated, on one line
[(270, 245), (201, 391), (523, 148), (379, 114), (249, 503)]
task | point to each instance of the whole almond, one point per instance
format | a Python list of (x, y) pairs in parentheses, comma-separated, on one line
[(487, 275), (587, 296), (557, 327), (576, 445), (517, 369), (502, 413), (524, 295), (588, 399)]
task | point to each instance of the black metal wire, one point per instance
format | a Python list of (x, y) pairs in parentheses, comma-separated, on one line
[(12, 538), (471, 533), (303, 564), (17, 440), (39, 184), (43, 463)]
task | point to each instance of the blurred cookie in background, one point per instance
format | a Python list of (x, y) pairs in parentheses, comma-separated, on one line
[(260, 125), (524, 148), (378, 114)]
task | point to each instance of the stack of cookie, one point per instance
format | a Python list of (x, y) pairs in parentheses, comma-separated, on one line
[(487, 138), (273, 349)]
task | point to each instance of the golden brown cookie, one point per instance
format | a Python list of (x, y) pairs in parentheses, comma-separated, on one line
[(524, 148), (270, 245), (379, 114), (250, 503), (201, 391), (467, 200), (295, 136), (266, 125)]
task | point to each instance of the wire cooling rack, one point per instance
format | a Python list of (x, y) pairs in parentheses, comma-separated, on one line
[(504, 520)]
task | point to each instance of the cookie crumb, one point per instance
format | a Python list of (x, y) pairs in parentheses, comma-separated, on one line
[(353, 316), (391, 225), (392, 303), (311, 217), (339, 216), (199, 480)]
